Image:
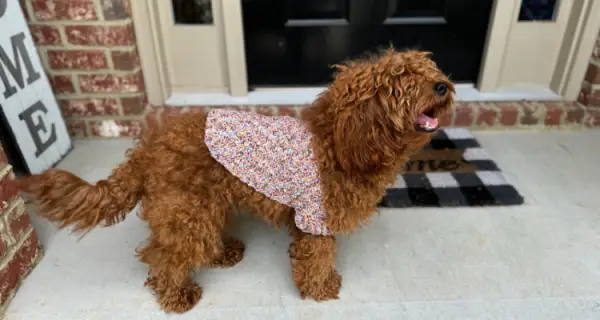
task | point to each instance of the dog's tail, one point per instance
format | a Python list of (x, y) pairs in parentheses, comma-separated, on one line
[(68, 200)]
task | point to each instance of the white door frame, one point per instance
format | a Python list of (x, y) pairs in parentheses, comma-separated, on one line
[(582, 29), (575, 53)]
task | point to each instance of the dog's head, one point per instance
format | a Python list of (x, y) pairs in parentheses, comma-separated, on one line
[(379, 104)]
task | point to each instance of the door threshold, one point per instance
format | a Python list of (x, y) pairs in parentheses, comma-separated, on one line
[(301, 96)]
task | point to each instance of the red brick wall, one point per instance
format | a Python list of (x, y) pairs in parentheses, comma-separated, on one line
[(590, 91), (88, 49), (20, 248)]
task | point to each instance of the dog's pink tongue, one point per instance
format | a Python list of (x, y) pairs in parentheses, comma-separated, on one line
[(424, 120)]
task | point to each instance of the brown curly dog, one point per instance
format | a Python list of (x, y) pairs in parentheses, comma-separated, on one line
[(364, 128)]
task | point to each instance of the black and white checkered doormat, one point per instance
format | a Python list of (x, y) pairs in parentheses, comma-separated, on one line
[(485, 185)]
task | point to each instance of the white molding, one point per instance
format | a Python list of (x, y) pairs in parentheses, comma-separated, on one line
[(586, 33), (145, 23), (494, 50), (235, 54), (298, 96)]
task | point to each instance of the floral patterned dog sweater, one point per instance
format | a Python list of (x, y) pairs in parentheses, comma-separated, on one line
[(272, 155)]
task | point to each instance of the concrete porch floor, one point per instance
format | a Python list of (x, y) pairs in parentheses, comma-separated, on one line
[(540, 260)]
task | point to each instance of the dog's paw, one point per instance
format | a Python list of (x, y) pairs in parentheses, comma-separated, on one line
[(233, 253), (329, 289), (181, 299)]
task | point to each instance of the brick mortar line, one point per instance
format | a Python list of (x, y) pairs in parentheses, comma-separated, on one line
[(10, 253), (98, 95), (99, 10), (493, 105), (11, 206), (65, 71), (120, 108), (72, 47), (3, 228), (93, 23), (563, 116), (109, 59), (105, 118), (64, 39), (111, 65), (43, 53), (87, 127), (5, 215), (76, 84), (30, 12), (101, 95), (5, 170), (476, 108), (104, 71), (520, 113)]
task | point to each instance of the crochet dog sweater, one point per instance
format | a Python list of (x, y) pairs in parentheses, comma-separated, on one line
[(272, 155)]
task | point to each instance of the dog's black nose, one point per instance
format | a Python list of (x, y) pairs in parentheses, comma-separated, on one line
[(440, 88)]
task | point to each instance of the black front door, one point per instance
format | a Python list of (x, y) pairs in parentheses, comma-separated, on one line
[(293, 42)]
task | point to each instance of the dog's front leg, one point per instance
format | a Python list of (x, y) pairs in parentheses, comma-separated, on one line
[(313, 266)]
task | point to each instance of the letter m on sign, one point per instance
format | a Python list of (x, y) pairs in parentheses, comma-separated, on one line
[(15, 66)]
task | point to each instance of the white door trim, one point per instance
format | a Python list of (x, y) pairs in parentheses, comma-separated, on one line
[(574, 58), (300, 96), (234, 47), (496, 41), (152, 55), (567, 81)]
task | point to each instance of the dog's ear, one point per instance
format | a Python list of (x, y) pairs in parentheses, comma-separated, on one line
[(362, 109), (363, 141)]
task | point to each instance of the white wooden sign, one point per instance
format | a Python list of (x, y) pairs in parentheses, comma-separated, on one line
[(27, 103)]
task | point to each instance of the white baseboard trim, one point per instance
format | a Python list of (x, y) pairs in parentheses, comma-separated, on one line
[(299, 96)]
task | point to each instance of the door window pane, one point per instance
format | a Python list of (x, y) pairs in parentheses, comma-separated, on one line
[(192, 11), (417, 8), (316, 9), (538, 10)]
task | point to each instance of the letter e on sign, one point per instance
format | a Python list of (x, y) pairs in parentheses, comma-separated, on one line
[(27, 103)]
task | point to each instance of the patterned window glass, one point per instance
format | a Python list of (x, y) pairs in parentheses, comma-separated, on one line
[(193, 11), (538, 10)]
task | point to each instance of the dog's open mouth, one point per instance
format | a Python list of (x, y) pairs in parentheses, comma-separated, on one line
[(427, 122)]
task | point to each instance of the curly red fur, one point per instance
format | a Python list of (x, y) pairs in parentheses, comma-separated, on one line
[(363, 132)]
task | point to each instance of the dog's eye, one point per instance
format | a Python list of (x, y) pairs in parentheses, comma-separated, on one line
[(440, 88)]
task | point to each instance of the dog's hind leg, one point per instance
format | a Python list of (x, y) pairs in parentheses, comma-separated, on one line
[(186, 234)]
